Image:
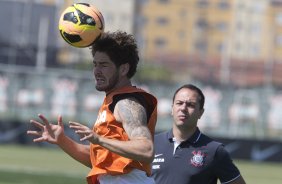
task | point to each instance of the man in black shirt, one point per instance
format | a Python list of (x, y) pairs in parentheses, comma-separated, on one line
[(184, 155)]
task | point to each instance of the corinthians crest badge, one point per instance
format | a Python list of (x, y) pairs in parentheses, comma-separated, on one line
[(198, 158)]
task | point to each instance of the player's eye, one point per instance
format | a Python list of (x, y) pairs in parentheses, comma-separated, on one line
[(179, 103), (191, 105)]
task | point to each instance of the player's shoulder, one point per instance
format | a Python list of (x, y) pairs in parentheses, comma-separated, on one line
[(217, 147), (162, 135), (210, 142), (162, 140)]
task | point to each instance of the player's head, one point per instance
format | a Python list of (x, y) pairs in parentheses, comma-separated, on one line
[(187, 107), (192, 87), (121, 49)]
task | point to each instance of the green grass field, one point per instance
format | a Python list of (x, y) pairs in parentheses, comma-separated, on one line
[(34, 165)]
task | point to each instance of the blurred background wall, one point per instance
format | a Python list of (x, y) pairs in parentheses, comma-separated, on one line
[(231, 49)]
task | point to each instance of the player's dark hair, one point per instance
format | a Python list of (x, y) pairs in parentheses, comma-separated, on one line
[(193, 88), (120, 47)]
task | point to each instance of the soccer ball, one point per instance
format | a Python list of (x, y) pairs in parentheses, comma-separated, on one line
[(81, 24)]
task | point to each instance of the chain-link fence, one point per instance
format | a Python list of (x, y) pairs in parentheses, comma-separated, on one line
[(229, 112)]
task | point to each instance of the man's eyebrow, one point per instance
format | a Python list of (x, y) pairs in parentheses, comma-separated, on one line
[(185, 101), (100, 62)]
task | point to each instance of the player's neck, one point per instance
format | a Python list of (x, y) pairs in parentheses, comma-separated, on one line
[(181, 135), (120, 84)]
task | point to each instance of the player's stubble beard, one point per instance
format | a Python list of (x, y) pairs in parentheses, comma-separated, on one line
[(109, 83)]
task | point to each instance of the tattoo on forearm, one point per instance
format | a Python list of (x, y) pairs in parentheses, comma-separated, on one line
[(133, 117)]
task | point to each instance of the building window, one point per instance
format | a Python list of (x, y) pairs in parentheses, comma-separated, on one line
[(201, 45), (278, 40), (162, 21), (181, 35), (239, 26), (255, 28), (164, 1), (219, 47), (202, 23), (183, 13), (143, 2), (278, 19), (255, 50), (202, 3), (221, 26), (143, 21), (160, 43), (238, 47), (223, 5)]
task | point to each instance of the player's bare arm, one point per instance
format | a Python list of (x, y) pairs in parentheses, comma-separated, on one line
[(134, 119)]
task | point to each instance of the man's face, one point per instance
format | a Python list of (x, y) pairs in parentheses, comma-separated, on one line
[(105, 72), (186, 108)]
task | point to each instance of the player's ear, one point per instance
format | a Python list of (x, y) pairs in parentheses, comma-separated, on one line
[(201, 113), (124, 68)]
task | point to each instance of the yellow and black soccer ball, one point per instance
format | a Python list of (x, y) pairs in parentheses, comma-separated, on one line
[(81, 24)]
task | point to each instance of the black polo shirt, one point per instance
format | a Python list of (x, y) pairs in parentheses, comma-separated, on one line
[(198, 160)]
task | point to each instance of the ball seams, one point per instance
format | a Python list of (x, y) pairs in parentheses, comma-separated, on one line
[(80, 26)]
